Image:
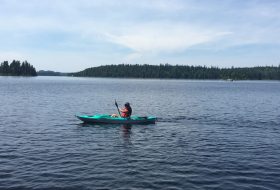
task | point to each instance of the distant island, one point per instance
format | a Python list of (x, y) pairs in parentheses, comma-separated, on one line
[(50, 73), (166, 71), (16, 68)]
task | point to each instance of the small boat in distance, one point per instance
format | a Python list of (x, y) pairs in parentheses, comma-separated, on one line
[(231, 80), (108, 119)]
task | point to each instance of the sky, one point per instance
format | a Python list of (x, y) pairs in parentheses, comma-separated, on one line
[(72, 35)]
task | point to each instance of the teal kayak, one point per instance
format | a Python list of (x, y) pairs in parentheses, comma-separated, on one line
[(107, 119)]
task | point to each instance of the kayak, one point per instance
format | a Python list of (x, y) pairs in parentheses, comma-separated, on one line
[(108, 119)]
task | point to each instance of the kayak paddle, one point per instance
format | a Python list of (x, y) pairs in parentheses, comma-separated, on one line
[(117, 107)]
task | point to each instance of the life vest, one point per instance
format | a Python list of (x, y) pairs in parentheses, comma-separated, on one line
[(126, 112)]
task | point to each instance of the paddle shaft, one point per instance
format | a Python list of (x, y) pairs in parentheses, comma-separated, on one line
[(117, 107)]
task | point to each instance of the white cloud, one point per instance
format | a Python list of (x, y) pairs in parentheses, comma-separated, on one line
[(131, 57), (133, 30), (163, 37)]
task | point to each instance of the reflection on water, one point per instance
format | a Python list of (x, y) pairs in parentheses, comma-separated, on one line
[(126, 129), (127, 134)]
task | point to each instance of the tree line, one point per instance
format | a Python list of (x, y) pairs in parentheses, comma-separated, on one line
[(165, 71), (50, 73), (16, 68)]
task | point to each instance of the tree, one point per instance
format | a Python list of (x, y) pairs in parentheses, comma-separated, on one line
[(181, 72), (16, 68)]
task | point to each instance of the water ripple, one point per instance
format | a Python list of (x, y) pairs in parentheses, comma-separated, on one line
[(201, 140)]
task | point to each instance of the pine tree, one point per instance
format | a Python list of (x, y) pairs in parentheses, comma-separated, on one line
[(16, 68)]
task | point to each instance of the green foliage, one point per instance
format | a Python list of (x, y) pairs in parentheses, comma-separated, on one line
[(181, 72), (16, 68)]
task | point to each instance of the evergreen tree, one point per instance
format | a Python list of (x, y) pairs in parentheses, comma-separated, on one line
[(16, 68), (181, 72)]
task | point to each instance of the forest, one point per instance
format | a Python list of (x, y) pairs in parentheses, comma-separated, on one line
[(166, 71), (16, 68), (50, 73)]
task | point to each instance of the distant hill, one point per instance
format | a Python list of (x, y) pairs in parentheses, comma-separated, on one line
[(181, 72), (50, 73)]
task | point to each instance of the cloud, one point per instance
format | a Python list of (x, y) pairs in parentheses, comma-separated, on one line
[(132, 56), (145, 26), (133, 30), (163, 37)]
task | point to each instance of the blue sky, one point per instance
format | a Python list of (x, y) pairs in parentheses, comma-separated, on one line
[(71, 35)]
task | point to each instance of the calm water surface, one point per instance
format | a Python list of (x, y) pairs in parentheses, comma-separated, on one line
[(210, 134)]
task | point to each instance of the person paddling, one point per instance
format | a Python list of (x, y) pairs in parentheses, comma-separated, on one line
[(125, 112)]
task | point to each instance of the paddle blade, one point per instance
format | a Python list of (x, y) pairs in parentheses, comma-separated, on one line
[(116, 103)]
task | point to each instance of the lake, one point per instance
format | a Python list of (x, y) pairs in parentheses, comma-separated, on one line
[(209, 134)]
